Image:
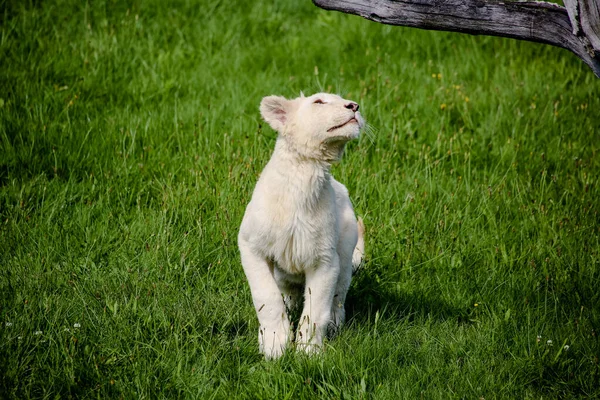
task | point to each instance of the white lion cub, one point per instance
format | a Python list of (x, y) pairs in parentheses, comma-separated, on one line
[(299, 232)]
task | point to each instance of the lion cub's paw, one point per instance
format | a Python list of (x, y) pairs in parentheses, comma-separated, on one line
[(273, 342)]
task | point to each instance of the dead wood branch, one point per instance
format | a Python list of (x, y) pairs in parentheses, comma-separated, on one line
[(576, 28)]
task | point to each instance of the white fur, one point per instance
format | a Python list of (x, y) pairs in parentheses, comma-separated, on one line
[(299, 232)]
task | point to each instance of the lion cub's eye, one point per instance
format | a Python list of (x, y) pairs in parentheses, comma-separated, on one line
[(318, 101)]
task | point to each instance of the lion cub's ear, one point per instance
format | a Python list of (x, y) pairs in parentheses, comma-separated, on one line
[(276, 111)]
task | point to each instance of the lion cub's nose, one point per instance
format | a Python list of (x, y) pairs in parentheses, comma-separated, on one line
[(352, 106)]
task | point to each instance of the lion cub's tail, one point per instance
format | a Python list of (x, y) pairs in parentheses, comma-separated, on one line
[(359, 250)]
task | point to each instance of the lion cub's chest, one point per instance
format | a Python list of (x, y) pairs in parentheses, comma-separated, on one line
[(303, 237)]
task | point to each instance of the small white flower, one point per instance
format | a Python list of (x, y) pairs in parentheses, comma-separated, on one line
[(19, 337), (549, 342), (76, 325), (37, 333), (7, 324), (539, 338), (567, 347)]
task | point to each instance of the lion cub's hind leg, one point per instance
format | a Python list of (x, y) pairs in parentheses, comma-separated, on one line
[(349, 237)]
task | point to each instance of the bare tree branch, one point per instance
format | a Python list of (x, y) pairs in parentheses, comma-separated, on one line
[(533, 21), (589, 11)]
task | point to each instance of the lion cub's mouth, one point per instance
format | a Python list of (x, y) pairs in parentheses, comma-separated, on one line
[(353, 119)]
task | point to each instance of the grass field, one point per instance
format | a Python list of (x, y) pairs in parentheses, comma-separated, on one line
[(130, 142)]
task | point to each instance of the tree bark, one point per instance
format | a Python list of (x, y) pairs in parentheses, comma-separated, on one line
[(575, 28)]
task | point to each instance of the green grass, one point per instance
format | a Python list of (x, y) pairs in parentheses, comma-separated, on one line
[(130, 142)]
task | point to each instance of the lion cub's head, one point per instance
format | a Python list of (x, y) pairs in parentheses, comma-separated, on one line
[(317, 126)]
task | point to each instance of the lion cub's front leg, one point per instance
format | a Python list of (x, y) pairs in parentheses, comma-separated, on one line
[(274, 330), (318, 300)]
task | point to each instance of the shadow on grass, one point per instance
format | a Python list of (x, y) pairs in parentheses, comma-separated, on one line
[(368, 295)]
